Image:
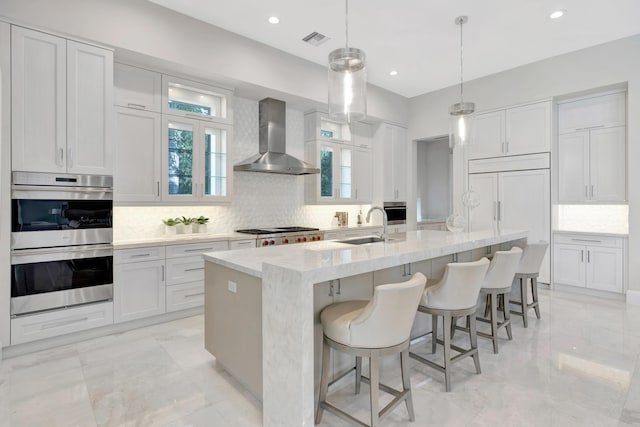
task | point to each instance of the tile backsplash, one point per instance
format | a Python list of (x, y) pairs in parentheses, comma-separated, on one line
[(259, 199)]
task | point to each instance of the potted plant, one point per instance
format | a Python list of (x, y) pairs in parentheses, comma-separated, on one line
[(170, 225), (187, 222), (200, 224)]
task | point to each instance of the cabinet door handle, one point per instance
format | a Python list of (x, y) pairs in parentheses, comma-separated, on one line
[(331, 288), (499, 211), (339, 287), (70, 156), (162, 274), (582, 255), (158, 187), (592, 191), (198, 250), (495, 210), (356, 194), (61, 156), (140, 255), (194, 269), (588, 256), (194, 295), (502, 147), (587, 240), (137, 106)]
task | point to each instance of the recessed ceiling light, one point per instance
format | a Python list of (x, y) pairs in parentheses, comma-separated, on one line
[(274, 20), (556, 14), (393, 73)]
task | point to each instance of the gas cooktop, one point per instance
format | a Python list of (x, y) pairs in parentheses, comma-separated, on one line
[(276, 230)]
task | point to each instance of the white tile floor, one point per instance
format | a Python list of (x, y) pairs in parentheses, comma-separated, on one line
[(577, 366)]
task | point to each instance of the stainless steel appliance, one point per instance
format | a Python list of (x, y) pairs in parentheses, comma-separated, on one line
[(272, 144), (283, 235), (396, 212), (61, 241)]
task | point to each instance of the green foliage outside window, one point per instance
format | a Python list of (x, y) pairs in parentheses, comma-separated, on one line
[(180, 161)]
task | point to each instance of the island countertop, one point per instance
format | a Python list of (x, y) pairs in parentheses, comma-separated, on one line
[(336, 259)]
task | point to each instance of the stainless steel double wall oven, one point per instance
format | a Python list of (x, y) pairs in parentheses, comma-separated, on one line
[(61, 241)]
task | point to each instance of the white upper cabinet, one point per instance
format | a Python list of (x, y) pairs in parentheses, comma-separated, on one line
[(362, 176), (195, 100), (138, 88), (39, 101), (361, 135), (317, 126), (89, 109), (519, 130), (62, 97), (592, 160), (594, 112), (138, 137), (395, 163)]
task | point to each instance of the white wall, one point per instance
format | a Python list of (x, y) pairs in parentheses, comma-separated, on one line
[(259, 199), (604, 65), (194, 48), (5, 185)]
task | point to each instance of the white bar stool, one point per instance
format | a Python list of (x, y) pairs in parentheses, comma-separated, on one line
[(497, 283), (375, 328), (456, 295), (529, 268)]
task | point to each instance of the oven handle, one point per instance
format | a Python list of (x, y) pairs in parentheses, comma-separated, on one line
[(28, 256), (59, 193)]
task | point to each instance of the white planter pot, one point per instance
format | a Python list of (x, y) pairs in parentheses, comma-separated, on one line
[(170, 229), (199, 228), (186, 228)]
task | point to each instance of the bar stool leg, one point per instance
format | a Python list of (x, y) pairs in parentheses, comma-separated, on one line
[(434, 333), (324, 380), (358, 373), (406, 382), (446, 327), (494, 321), (374, 375), (523, 298), (507, 315), (474, 341), (534, 293)]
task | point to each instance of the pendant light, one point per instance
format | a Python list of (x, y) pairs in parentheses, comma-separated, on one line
[(347, 81), (461, 120)]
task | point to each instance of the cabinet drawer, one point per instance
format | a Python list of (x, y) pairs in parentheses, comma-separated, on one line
[(38, 326), (242, 244), (124, 256), (177, 251), (186, 295), (590, 240), (186, 269)]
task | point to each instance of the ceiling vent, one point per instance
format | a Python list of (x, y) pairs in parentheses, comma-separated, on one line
[(315, 39)]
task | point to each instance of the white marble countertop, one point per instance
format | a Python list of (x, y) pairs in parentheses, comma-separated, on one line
[(591, 233), (178, 239), (332, 259), (431, 221)]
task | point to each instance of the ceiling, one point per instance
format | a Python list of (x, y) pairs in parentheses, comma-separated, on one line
[(418, 38)]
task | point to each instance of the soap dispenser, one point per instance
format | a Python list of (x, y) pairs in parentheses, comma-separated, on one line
[(360, 218)]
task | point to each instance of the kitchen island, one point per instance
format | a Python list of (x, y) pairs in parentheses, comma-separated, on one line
[(260, 304)]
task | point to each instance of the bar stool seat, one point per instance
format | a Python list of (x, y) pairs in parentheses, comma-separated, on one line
[(372, 329), (455, 295), (528, 270), (497, 284)]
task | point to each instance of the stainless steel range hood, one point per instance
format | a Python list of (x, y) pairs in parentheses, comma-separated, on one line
[(272, 144)]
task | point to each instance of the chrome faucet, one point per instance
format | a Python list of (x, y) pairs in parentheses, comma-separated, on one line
[(384, 220)]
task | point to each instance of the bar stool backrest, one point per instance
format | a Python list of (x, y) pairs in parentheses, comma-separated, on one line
[(387, 319), (459, 287), (502, 269), (532, 258)]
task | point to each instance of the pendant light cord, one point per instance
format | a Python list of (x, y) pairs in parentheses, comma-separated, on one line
[(346, 22), (461, 66)]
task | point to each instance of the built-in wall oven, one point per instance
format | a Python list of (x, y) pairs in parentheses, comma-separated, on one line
[(61, 241), (396, 212)]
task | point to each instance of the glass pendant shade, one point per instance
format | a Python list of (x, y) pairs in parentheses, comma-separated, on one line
[(347, 85), (461, 124)]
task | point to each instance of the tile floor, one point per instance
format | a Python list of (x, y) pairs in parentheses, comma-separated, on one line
[(577, 366)]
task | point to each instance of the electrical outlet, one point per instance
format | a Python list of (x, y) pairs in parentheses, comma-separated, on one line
[(232, 286)]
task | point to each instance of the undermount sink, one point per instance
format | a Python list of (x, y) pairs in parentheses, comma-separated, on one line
[(362, 240)]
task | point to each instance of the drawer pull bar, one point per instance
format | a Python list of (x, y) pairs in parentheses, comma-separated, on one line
[(64, 323), (194, 295), (194, 269), (140, 255), (137, 106), (587, 240), (198, 250)]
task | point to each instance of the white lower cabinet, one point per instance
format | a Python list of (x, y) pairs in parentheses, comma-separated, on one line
[(138, 290), (185, 295), (46, 325), (590, 262)]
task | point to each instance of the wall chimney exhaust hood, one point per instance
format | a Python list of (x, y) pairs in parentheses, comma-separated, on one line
[(272, 144)]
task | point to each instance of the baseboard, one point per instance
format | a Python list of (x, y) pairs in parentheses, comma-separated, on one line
[(633, 297), (591, 292)]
